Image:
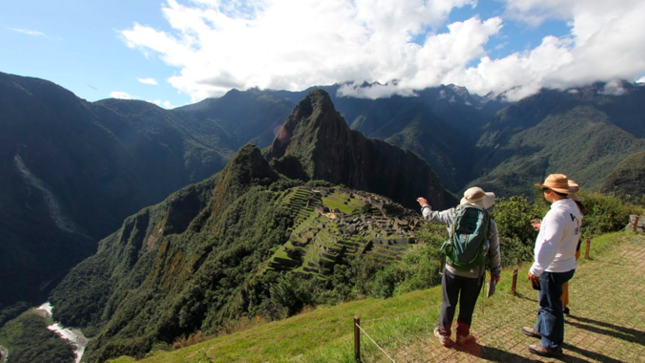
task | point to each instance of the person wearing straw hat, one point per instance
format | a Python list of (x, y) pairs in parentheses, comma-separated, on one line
[(456, 282), (555, 263)]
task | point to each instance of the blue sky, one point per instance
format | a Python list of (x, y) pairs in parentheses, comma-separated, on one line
[(177, 52)]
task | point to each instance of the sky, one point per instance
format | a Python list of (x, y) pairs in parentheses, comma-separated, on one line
[(177, 52)]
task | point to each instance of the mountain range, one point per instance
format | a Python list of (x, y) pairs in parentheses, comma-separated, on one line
[(74, 172)]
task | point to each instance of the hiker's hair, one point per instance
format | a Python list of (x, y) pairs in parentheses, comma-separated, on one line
[(536, 220), (561, 194)]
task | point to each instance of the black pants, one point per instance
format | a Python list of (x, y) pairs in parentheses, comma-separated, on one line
[(466, 290)]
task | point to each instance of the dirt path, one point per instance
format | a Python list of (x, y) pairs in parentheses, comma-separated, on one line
[(607, 322)]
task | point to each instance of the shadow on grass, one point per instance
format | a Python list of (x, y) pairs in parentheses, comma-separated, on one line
[(591, 355), (620, 332), (498, 355), (522, 296), (493, 354)]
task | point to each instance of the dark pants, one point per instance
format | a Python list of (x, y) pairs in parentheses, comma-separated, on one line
[(550, 320), (452, 286)]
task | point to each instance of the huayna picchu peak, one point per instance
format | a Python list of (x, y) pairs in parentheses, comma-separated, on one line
[(316, 143)]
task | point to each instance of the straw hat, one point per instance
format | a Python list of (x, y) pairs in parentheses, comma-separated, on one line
[(560, 183), (478, 197)]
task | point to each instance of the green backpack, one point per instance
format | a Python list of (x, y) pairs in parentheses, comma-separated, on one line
[(468, 247)]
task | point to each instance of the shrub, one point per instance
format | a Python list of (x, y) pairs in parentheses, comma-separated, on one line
[(185, 341), (606, 213), (516, 236), (291, 293)]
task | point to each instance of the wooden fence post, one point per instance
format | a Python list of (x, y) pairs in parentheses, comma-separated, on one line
[(514, 283), (588, 247), (357, 339), (635, 224)]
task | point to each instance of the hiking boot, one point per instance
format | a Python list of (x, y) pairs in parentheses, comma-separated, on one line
[(443, 339), (531, 332), (540, 349), (465, 339)]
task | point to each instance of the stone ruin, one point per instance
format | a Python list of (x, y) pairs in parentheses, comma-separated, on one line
[(388, 237)]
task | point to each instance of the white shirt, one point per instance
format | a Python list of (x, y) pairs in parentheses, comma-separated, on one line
[(555, 246)]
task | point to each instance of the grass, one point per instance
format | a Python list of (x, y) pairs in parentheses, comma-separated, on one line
[(328, 327), (405, 330)]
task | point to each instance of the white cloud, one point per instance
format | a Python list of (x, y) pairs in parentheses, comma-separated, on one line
[(218, 45), (120, 95), (28, 32), (613, 88), (165, 104), (150, 81)]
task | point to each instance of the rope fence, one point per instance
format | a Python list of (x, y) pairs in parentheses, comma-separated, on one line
[(357, 342), (358, 329)]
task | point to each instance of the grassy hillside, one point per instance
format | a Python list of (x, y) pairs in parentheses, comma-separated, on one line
[(403, 325)]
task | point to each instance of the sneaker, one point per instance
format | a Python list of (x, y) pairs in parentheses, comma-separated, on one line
[(443, 339), (540, 349), (531, 332), (465, 339)]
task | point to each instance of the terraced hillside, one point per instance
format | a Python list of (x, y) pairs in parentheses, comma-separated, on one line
[(331, 225)]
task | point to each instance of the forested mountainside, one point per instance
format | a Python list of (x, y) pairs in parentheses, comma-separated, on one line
[(628, 178), (71, 171), (583, 132), (217, 250)]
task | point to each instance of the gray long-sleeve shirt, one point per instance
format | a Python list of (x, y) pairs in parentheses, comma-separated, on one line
[(447, 217)]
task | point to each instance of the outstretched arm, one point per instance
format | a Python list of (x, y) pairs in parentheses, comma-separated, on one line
[(446, 217)]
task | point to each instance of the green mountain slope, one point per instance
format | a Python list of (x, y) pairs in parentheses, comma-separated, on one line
[(557, 132), (214, 250), (236, 118), (628, 177), (70, 172)]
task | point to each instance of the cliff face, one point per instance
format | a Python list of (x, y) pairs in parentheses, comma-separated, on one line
[(316, 143)]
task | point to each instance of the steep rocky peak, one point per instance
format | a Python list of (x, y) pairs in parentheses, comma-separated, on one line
[(313, 118), (248, 165), (316, 110), (246, 169)]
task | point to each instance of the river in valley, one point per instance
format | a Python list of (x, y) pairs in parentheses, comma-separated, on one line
[(75, 336)]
